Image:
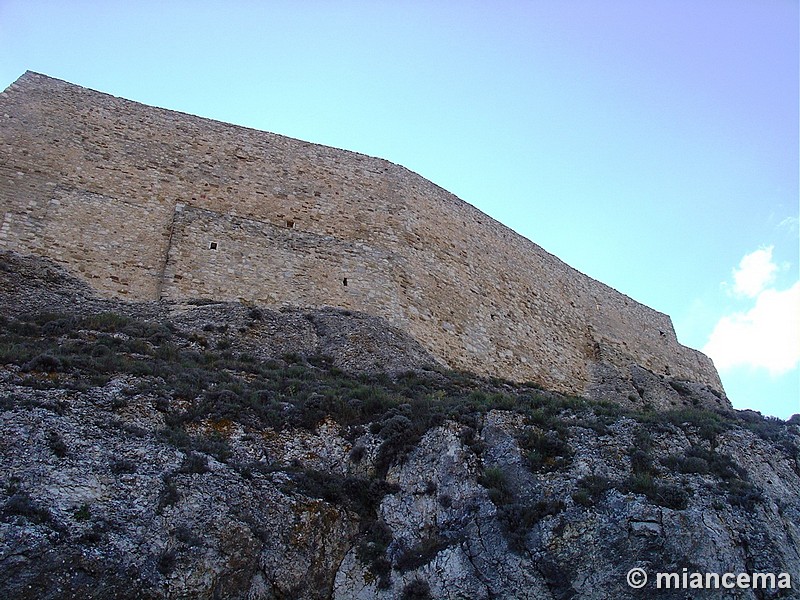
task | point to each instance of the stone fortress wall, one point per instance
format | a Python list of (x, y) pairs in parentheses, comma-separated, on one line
[(148, 204)]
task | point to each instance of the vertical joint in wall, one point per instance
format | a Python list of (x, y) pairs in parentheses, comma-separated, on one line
[(176, 208)]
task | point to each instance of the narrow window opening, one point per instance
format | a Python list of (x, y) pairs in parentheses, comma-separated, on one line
[(212, 246), (344, 282), (289, 224)]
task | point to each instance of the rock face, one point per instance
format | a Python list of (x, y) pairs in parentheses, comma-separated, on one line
[(148, 204), (230, 451)]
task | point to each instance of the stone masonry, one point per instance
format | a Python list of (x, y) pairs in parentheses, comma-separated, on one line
[(150, 204)]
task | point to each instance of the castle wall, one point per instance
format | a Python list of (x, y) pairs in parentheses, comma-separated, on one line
[(154, 204)]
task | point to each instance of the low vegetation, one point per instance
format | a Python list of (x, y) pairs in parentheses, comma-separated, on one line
[(190, 380)]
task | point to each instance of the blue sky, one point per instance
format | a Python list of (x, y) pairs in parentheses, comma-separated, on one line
[(652, 145)]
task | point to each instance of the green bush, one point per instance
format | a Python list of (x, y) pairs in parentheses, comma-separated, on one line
[(166, 561), (698, 460), (545, 451), (374, 539), (582, 497), (186, 536), (59, 326), (667, 495), (517, 520), (743, 494), (357, 454), (169, 493), (121, 466), (359, 494), (194, 462), (708, 424), (82, 513), (772, 430), (108, 322), (20, 504), (418, 589), (56, 444), (46, 363), (495, 481), (421, 554), (641, 461), (591, 490)]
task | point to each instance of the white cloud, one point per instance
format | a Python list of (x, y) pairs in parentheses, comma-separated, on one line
[(766, 336), (756, 271), (791, 224)]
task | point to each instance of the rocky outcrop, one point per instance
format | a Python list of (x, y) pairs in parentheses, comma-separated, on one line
[(226, 451), (97, 504)]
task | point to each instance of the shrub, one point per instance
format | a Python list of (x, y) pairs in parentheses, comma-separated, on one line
[(214, 444), (175, 435), (671, 496), (167, 352), (582, 497), (121, 466), (57, 445), (472, 441), (357, 453), (421, 554), (744, 494), (371, 550), (400, 435), (772, 430), (166, 561), (641, 483), (58, 325), (82, 513), (708, 423), (186, 536), (23, 328), (546, 451), (356, 493), (13, 485), (495, 482), (194, 462), (169, 493), (136, 346), (517, 520), (641, 461), (22, 505), (46, 363), (591, 489), (418, 589), (667, 495), (107, 322)]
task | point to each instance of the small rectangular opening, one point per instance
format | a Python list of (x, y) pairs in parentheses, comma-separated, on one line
[(344, 282), (212, 246), (289, 224)]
